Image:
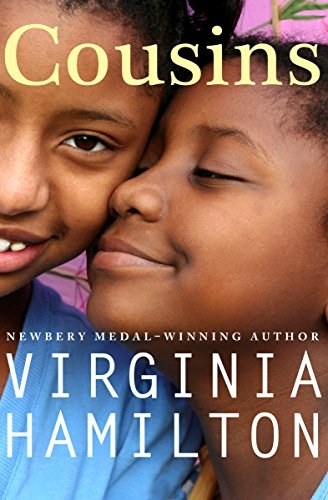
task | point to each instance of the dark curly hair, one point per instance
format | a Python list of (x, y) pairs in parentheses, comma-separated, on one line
[(307, 106), (204, 14), (166, 22)]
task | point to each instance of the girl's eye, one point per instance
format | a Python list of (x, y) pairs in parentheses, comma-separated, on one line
[(209, 174), (202, 172), (90, 143)]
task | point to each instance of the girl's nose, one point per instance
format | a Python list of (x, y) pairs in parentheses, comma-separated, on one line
[(24, 185), (140, 195)]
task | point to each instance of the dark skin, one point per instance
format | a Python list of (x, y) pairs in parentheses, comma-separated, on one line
[(12, 313), (59, 144), (224, 232)]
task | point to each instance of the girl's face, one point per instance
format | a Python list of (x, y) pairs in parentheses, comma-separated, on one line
[(64, 148), (223, 231)]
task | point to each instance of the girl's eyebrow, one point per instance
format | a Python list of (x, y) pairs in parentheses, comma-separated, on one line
[(240, 135), (96, 115), (81, 113)]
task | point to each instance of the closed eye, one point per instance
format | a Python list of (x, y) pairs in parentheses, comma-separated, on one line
[(212, 175)]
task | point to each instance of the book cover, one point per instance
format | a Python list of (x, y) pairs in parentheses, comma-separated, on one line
[(212, 271)]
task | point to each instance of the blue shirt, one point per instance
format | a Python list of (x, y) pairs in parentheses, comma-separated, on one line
[(58, 426), (321, 492)]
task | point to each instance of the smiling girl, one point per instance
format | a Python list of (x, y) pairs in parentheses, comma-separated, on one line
[(225, 229), (64, 148)]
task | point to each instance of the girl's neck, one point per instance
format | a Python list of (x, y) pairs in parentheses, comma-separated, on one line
[(283, 475), (13, 309)]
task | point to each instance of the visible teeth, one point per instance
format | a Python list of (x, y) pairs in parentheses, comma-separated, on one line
[(17, 246), (4, 245)]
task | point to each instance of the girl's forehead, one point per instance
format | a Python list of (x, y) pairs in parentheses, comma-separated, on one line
[(88, 24), (208, 104), (258, 117)]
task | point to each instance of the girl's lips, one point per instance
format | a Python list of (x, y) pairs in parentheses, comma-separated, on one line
[(13, 234), (15, 261), (117, 253), (113, 258)]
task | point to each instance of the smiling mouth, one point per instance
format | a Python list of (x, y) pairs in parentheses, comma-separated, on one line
[(124, 259), (17, 254), (12, 246), (113, 253)]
